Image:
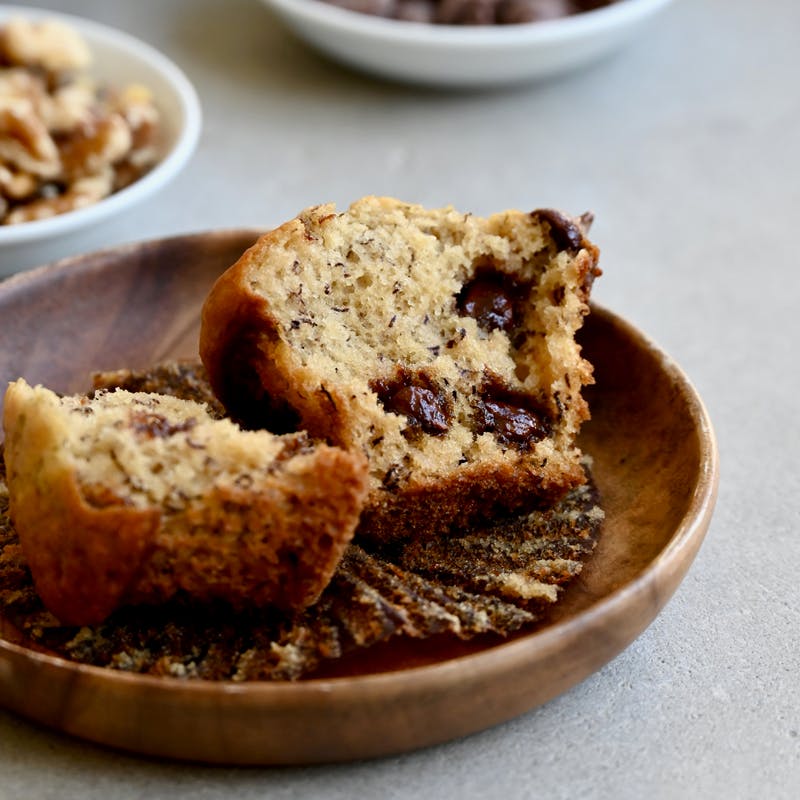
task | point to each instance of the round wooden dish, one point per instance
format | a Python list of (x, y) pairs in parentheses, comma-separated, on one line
[(655, 462)]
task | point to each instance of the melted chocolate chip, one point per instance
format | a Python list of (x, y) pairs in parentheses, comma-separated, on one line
[(489, 299), (512, 424), (422, 407), (563, 231), (416, 397), (513, 417)]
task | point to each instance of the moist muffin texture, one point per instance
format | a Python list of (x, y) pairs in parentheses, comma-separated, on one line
[(128, 498), (439, 344)]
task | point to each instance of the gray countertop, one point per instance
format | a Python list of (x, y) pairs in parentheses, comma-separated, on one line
[(685, 145)]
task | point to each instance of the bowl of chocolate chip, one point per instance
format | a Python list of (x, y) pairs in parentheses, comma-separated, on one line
[(465, 44), (91, 122)]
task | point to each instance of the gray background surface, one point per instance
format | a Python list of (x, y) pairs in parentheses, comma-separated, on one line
[(685, 145)]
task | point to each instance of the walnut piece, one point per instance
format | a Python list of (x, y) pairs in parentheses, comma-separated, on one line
[(49, 44), (65, 140)]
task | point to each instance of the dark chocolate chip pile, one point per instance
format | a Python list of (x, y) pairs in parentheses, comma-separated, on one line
[(470, 12)]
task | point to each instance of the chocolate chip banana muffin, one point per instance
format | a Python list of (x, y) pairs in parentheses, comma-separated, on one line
[(440, 344), (130, 498)]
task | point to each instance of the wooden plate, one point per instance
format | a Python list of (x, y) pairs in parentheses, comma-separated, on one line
[(655, 462)]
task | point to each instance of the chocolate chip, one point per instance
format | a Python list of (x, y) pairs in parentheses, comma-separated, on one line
[(416, 397), (466, 12), (563, 231), (416, 11), (513, 417), (512, 424), (422, 407), (470, 12), (510, 12), (489, 299)]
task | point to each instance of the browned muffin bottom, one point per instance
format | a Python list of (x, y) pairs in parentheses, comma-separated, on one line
[(488, 583)]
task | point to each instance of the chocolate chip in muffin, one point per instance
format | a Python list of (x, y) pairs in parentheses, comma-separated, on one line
[(418, 398), (510, 415), (564, 232), (490, 299)]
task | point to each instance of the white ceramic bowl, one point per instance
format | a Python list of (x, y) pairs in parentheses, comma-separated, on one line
[(464, 56), (120, 59)]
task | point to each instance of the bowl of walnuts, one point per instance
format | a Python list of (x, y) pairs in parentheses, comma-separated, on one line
[(92, 121), (465, 44)]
